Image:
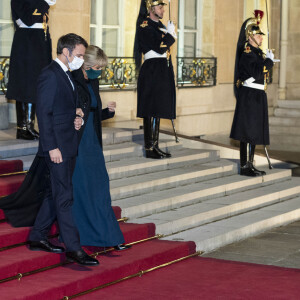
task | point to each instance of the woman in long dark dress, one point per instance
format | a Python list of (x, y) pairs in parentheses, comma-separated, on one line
[(93, 214)]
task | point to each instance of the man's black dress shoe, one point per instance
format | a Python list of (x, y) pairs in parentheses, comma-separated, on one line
[(45, 245), (122, 247), (81, 258)]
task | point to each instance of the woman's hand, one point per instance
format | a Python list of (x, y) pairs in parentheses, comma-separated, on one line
[(111, 106), (79, 112)]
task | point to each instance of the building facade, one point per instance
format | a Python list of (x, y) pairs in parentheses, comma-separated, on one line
[(203, 55)]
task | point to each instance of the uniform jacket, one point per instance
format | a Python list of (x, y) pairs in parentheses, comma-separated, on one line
[(56, 111), (156, 85), (31, 50), (251, 123)]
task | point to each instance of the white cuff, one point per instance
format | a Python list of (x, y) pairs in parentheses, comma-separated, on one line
[(51, 2)]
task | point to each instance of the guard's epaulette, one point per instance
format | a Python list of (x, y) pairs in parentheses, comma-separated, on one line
[(144, 24), (247, 50)]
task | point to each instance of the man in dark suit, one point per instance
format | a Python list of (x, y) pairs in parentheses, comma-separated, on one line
[(58, 124)]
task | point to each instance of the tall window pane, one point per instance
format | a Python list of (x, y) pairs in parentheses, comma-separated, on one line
[(190, 14), (110, 41), (190, 44), (93, 40), (6, 28), (93, 11), (111, 12)]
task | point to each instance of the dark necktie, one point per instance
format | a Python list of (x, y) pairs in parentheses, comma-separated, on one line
[(71, 79)]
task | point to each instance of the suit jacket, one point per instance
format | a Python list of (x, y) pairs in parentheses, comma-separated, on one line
[(84, 102), (56, 111)]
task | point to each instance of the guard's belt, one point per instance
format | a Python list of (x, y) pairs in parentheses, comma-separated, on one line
[(250, 83), (34, 26), (153, 54)]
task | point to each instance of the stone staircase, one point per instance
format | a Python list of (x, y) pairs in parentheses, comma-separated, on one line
[(196, 195), (285, 126)]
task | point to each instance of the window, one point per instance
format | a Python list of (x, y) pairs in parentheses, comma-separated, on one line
[(106, 26), (189, 33), (6, 28)]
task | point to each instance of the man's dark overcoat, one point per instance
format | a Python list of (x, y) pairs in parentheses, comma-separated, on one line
[(251, 122), (156, 85)]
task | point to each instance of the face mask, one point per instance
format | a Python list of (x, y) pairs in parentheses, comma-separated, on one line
[(93, 74), (76, 63)]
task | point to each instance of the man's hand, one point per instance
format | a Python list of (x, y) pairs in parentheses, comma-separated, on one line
[(55, 156), (111, 106), (79, 112), (78, 122)]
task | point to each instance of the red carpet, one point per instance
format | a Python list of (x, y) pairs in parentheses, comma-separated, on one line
[(206, 278), (21, 260), (10, 184), (10, 166), (67, 280)]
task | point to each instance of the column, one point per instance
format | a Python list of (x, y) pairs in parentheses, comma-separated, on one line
[(283, 49)]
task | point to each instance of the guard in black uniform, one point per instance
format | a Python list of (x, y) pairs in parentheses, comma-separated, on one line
[(30, 53), (251, 124), (156, 85)]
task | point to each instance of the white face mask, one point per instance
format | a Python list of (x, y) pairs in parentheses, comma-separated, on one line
[(76, 63)]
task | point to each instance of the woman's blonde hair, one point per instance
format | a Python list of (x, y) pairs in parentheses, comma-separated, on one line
[(94, 56)]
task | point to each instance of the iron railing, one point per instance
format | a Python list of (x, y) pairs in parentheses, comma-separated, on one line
[(196, 72), (4, 67), (120, 73)]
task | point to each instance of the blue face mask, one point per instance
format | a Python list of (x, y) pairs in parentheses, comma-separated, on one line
[(93, 74)]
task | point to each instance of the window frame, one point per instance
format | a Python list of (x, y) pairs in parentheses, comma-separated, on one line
[(99, 26), (182, 31)]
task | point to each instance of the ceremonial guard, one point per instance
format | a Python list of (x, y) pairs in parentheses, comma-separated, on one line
[(30, 53), (250, 124), (156, 85)]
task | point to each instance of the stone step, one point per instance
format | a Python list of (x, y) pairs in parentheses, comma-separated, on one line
[(281, 121), (134, 149), (287, 112), (15, 148), (140, 165), (217, 234), (177, 220), (144, 205), (289, 104), (114, 152), (285, 130), (140, 185), (116, 135)]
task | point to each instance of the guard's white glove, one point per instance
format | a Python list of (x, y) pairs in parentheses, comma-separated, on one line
[(171, 29), (51, 2), (270, 54)]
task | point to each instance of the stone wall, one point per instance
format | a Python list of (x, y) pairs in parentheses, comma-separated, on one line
[(200, 111)]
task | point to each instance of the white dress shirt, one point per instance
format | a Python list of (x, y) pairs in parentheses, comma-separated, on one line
[(65, 68)]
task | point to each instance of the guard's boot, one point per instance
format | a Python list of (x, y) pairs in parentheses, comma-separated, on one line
[(22, 128), (251, 159), (31, 108), (150, 151), (246, 167), (155, 128)]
